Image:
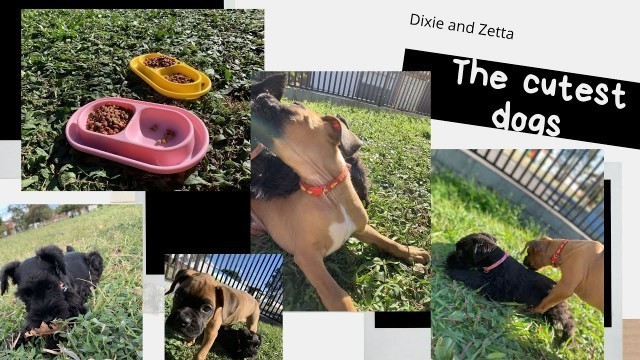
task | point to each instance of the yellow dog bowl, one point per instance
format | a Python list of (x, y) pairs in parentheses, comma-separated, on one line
[(155, 76)]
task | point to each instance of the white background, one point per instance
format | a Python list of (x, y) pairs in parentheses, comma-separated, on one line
[(585, 37)]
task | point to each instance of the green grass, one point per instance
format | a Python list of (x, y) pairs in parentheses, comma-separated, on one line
[(396, 151), (270, 349), (112, 328), (467, 324), (72, 57)]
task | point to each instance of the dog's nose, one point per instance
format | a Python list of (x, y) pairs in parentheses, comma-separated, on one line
[(184, 321)]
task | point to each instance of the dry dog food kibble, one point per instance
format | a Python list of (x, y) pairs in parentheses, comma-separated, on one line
[(168, 135), (109, 119), (179, 78), (159, 61)]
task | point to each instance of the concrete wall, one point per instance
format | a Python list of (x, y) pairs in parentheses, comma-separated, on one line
[(468, 165)]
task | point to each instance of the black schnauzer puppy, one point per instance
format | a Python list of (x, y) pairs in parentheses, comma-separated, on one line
[(271, 177), (239, 344), (481, 265), (52, 285)]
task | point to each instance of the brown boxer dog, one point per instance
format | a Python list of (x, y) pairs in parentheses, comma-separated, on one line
[(317, 219), (581, 263), (201, 305)]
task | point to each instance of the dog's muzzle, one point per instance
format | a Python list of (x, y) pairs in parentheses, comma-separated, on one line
[(185, 322)]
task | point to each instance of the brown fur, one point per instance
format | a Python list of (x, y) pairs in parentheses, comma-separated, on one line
[(309, 227), (230, 306), (582, 265)]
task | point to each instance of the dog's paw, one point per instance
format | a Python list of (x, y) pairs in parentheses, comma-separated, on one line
[(418, 255), (536, 310)]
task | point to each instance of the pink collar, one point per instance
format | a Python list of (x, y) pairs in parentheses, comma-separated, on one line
[(255, 152), (495, 265)]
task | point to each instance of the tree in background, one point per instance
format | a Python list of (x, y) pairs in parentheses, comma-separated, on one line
[(70, 207), (17, 216), (232, 274), (274, 285), (24, 215), (38, 213), (3, 228)]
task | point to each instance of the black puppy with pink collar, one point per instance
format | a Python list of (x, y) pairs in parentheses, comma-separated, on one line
[(482, 265)]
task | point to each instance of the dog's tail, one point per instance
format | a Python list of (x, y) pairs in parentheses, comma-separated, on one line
[(560, 315)]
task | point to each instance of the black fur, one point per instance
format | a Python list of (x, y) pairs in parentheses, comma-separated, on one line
[(509, 282), (238, 344), (52, 285), (272, 178)]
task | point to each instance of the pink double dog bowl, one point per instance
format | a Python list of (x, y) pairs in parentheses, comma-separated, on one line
[(138, 144)]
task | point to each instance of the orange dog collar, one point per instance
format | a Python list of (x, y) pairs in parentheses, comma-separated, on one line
[(555, 256), (324, 189), (256, 151)]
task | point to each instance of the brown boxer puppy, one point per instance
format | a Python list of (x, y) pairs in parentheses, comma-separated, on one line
[(581, 263), (318, 218), (201, 305)]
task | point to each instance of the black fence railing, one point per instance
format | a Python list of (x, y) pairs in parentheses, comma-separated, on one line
[(408, 91), (570, 181), (258, 274)]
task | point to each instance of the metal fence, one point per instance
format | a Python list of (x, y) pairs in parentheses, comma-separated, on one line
[(408, 91), (569, 181), (258, 274)]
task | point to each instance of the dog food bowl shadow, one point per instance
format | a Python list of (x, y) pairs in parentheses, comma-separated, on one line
[(156, 78), (160, 139)]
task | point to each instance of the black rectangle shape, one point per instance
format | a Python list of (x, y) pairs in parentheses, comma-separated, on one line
[(195, 223), (474, 104), (403, 320), (607, 253)]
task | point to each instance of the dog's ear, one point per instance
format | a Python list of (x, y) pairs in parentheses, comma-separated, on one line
[(340, 134), (54, 256), (491, 237), (8, 271), (227, 300), (94, 260), (273, 85), (536, 246), (344, 121), (181, 276)]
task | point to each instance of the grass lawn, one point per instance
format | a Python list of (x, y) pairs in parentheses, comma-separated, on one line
[(467, 324), (270, 349), (112, 328), (396, 151), (72, 57)]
